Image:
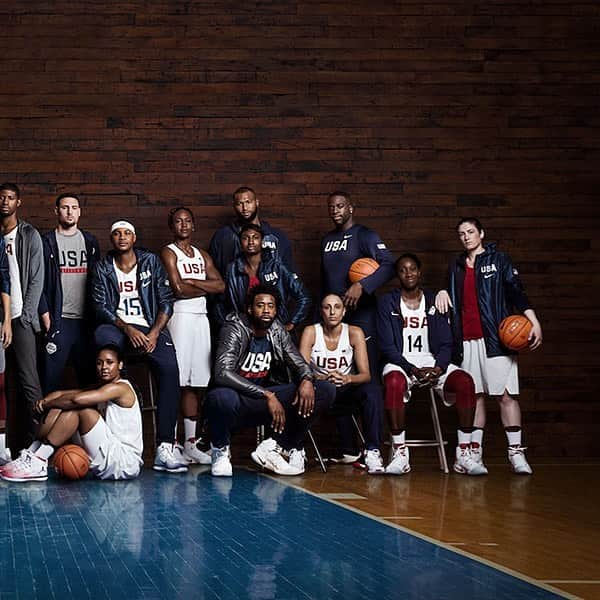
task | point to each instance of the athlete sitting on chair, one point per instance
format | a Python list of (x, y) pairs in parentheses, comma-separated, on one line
[(416, 343), (254, 359), (337, 352), (114, 443)]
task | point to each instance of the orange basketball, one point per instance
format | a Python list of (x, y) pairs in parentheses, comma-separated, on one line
[(514, 332), (362, 267), (71, 461)]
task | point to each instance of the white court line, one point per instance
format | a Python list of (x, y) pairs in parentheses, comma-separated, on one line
[(342, 496), (585, 581), (536, 582)]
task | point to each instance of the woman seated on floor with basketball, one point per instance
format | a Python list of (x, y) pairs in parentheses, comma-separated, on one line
[(113, 443), (337, 352), (416, 343)]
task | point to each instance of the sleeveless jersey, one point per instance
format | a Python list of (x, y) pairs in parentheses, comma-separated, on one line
[(126, 423), (130, 307), (323, 360), (415, 337), (190, 268)]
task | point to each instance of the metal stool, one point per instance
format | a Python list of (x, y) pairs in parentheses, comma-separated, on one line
[(439, 441)]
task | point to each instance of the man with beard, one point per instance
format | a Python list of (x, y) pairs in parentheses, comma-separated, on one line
[(133, 303), (225, 243), (26, 267), (254, 356), (339, 249), (70, 254)]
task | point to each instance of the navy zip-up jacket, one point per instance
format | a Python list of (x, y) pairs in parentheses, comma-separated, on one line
[(270, 272), (51, 300), (499, 293), (390, 324), (339, 249), (153, 288), (225, 245)]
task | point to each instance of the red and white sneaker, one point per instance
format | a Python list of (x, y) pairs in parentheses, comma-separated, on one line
[(465, 463), (400, 461), (28, 467)]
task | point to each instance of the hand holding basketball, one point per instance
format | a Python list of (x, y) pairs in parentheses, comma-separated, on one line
[(514, 332), (361, 268)]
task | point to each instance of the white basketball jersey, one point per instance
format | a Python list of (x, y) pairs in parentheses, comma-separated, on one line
[(324, 361), (190, 268), (415, 335), (130, 307), (126, 423)]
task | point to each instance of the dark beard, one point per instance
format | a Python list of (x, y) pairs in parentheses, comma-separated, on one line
[(249, 219)]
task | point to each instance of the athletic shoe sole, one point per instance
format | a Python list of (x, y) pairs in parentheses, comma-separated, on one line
[(263, 464), (162, 469), (22, 479), (461, 471), (397, 472)]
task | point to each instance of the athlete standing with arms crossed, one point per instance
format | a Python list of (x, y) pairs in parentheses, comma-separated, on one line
[(192, 276)]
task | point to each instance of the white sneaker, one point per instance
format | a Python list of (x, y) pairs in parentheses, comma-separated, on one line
[(28, 467), (5, 456), (221, 462), (169, 458), (399, 464), (193, 455), (297, 459), (465, 464), (374, 462), (269, 455), (518, 462)]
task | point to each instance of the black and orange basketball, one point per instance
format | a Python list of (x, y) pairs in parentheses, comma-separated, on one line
[(514, 332), (71, 461), (362, 267)]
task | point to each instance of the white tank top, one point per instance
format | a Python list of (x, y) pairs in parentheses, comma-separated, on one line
[(130, 307), (323, 360), (190, 268), (126, 423), (415, 340)]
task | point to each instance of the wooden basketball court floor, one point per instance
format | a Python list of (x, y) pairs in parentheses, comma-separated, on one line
[(343, 534), (545, 527)]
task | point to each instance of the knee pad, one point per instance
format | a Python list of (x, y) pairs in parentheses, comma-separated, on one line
[(395, 388), (461, 384)]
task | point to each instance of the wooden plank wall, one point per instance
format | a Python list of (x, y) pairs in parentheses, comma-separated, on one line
[(424, 111)]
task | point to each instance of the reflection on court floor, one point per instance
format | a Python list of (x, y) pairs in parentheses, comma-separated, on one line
[(194, 536)]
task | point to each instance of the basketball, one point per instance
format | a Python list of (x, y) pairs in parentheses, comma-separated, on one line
[(362, 267), (71, 461), (514, 332)]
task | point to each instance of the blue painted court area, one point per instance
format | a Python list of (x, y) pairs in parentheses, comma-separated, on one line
[(194, 536)]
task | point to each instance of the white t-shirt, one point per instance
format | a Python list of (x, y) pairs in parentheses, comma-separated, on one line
[(130, 307), (415, 337), (16, 293), (190, 268)]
